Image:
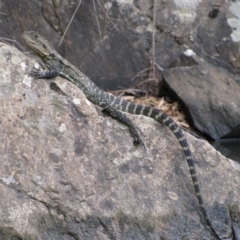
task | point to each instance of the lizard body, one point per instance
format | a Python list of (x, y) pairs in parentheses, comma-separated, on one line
[(59, 66)]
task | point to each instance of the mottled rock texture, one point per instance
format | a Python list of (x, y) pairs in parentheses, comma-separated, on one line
[(69, 172), (209, 94)]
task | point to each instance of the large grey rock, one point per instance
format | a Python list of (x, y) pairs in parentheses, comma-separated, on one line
[(68, 172), (209, 94)]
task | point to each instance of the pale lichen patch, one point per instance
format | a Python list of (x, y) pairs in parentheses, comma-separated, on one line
[(8, 180), (125, 2), (36, 65), (189, 53), (173, 195), (88, 102), (186, 10), (23, 66), (27, 81), (234, 23), (150, 27), (63, 127), (107, 5), (77, 101)]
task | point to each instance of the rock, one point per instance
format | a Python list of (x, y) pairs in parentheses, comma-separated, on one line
[(68, 172), (116, 36), (209, 94)]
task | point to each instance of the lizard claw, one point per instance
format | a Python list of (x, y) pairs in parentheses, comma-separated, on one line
[(137, 141), (36, 73)]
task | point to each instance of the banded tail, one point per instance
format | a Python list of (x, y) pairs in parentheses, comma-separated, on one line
[(161, 117), (59, 66)]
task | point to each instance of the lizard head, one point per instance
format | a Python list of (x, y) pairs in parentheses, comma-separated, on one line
[(38, 44)]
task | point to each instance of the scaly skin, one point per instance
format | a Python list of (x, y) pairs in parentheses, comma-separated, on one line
[(59, 66)]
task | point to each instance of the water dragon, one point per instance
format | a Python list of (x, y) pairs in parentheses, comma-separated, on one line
[(115, 106)]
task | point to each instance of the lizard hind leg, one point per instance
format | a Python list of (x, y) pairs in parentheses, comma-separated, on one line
[(134, 130)]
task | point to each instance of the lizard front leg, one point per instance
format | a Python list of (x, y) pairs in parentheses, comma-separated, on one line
[(37, 73)]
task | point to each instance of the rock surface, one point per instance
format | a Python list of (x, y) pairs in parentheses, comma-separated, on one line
[(68, 172), (210, 95)]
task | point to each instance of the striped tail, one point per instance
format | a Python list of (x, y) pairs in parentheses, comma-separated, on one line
[(161, 117)]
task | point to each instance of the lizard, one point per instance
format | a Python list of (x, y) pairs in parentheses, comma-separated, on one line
[(115, 106)]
